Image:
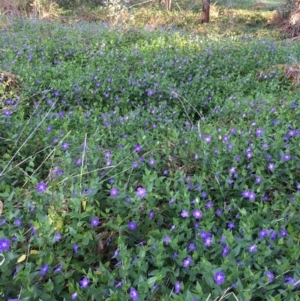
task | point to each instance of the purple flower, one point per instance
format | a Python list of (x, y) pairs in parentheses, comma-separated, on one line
[(208, 241), (259, 132), (65, 146), (283, 233), (187, 262), (150, 92), (118, 263), (286, 157), (133, 294), (225, 251), (271, 166), (197, 214), (291, 280), (4, 244), (78, 162), (41, 187), (119, 284), (270, 276), (245, 194), (151, 161), (84, 282), (57, 236), (58, 269), (185, 213), (33, 229), (209, 204), (151, 214), (231, 225), (265, 198), (249, 155), (59, 172), (6, 112), (114, 192), (141, 192), (132, 226), (253, 248), (207, 139), (204, 195), (116, 253), (219, 277), (44, 269), (273, 235), (95, 222), (292, 133), (75, 248), (167, 239), (219, 212), (171, 201), (138, 148), (204, 235), (263, 233), (223, 239), (252, 196), (177, 287), (18, 222), (192, 247), (74, 296), (249, 195)]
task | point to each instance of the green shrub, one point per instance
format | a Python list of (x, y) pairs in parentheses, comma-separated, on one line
[(147, 165)]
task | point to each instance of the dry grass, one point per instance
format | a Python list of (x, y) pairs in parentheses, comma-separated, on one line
[(186, 15), (4, 22), (294, 23), (15, 7), (42, 9), (45, 9), (288, 18), (290, 72), (290, 26), (259, 5), (9, 85), (8, 79)]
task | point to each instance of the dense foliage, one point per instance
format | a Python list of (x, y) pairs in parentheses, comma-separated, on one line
[(147, 165)]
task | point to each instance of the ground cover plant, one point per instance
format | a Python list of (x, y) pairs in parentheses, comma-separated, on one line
[(147, 164)]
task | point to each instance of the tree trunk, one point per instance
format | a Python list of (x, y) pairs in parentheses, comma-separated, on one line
[(168, 4), (205, 11)]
